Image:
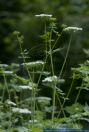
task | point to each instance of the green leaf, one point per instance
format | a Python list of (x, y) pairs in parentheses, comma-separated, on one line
[(75, 108)]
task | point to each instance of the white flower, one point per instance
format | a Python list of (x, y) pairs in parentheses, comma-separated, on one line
[(53, 79), (31, 121), (25, 87), (44, 15), (34, 63), (72, 29), (22, 111), (32, 85), (8, 72), (10, 103), (44, 98), (50, 79), (3, 65)]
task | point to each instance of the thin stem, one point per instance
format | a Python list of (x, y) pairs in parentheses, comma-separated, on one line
[(77, 97), (70, 86), (47, 50), (57, 40), (67, 95), (62, 71), (6, 85), (52, 69), (51, 58), (65, 57), (46, 55), (20, 44), (33, 101), (53, 107), (33, 92), (61, 107)]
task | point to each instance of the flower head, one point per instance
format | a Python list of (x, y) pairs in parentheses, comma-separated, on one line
[(74, 29), (44, 15)]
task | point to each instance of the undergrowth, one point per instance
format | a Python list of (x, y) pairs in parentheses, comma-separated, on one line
[(22, 107)]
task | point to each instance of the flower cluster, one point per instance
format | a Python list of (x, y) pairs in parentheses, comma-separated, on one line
[(44, 15), (72, 29)]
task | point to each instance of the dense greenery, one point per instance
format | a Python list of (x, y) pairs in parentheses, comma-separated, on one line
[(44, 77)]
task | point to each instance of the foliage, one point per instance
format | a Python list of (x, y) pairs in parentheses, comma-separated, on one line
[(28, 81), (22, 106)]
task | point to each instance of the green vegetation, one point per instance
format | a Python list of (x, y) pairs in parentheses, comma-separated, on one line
[(44, 65), (23, 106)]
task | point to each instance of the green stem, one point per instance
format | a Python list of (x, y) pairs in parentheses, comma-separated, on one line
[(61, 107), (46, 55), (52, 69), (6, 85), (77, 97), (62, 71), (66, 56), (67, 95), (33, 101), (33, 92), (24, 61), (57, 40)]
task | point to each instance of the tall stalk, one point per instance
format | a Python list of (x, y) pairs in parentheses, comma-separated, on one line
[(78, 94), (69, 91), (6, 86), (32, 80), (52, 68), (65, 59)]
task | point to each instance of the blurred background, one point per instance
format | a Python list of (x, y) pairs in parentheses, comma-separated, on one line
[(20, 15)]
